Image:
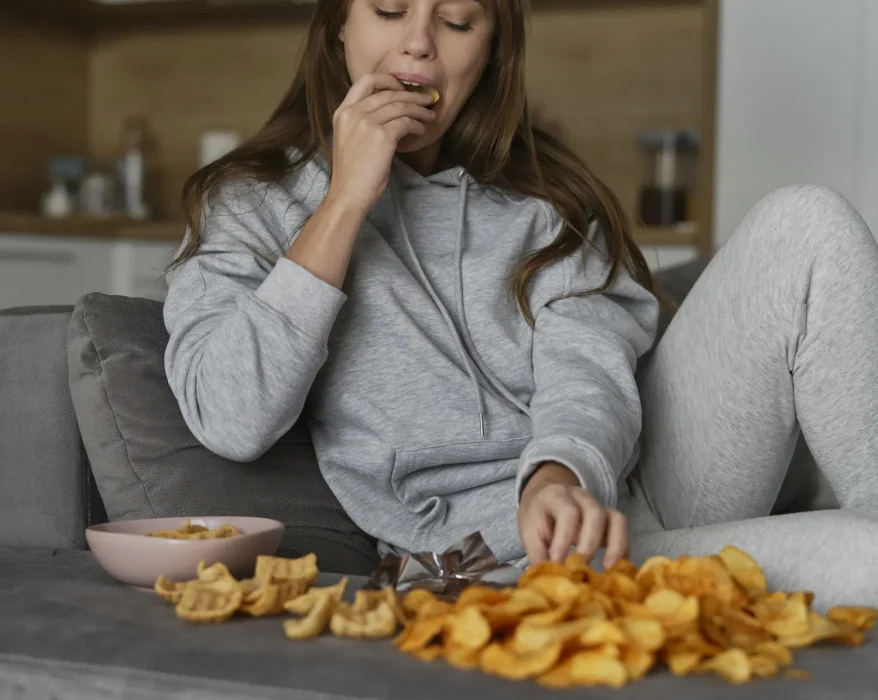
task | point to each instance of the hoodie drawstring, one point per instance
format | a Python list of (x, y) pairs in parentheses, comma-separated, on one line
[(477, 389)]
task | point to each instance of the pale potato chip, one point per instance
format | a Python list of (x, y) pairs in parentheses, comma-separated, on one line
[(215, 601), (171, 591), (270, 598), (274, 569), (302, 605), (315, 622), (214, 572), (372, 624)]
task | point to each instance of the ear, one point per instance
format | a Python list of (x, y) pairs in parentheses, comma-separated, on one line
[(341, 34)]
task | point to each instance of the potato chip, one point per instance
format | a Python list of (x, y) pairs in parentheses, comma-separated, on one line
[(417, 598), (595, 668), (302, 605), (600, 632), (545, 568), (578, 566), (558, 589), (283, 569), (672, 608), (214, 601), (315, 622), (462, 658), (481, 595), (637, 662), (430, 653), (529, 638), (764, 666), (558, 677), (372, 624), (862, 618), (171, 591), (648, 635), (824, 629), (270, 598), (468, 629), (214, 572), (421, 631), (499, 660), (744, 571), (731, 664)]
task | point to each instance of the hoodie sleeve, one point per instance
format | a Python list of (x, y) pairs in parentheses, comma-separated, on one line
[(586, 407), (247, 335)]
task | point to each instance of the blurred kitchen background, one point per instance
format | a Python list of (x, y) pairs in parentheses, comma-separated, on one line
[(689, 109)]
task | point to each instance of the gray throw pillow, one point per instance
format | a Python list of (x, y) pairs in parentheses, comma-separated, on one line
[(147, 463)]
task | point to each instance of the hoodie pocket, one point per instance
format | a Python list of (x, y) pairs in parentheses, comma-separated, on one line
[(425, 479)]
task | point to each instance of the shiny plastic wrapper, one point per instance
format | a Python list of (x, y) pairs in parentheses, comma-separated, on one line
[(446, 573)]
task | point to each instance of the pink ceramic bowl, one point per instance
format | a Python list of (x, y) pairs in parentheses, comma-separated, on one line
[(125, 553)]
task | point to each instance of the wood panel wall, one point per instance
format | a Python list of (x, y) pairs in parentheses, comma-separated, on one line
[(602, 73), (43, 105)]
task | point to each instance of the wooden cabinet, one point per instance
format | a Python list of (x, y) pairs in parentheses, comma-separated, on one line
[(57, 270)]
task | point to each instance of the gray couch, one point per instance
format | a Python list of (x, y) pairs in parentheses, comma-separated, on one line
[(89, 431)]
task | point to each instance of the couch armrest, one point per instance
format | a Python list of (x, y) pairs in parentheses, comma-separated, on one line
[(45, 495)]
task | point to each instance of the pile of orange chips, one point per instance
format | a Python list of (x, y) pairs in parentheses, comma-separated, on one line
[(566, 625)]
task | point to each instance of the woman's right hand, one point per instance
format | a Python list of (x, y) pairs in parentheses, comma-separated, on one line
[(376, 115)]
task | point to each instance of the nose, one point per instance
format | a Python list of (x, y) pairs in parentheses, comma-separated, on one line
[(418, 41)]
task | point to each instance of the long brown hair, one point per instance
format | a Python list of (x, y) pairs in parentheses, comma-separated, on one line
[(515, 156)]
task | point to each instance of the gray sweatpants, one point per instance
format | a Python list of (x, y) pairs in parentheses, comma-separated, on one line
[(778, 339)]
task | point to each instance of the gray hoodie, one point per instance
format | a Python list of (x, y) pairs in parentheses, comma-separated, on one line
[(428, 397)]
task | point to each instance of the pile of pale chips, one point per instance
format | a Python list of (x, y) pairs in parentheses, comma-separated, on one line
[(188, 531), (563, 625), (283, 585)]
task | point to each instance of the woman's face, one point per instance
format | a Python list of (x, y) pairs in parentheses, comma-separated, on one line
[(442, 43)]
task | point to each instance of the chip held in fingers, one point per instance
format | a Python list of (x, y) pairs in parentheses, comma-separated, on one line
[(417, 87)]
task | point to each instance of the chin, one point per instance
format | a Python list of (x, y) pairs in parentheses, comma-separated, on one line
[(411, 144)]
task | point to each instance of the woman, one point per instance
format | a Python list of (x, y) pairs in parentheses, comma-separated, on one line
[(460, 303)]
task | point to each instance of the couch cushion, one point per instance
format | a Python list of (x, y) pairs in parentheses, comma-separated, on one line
[(44, 495), (148, 464)]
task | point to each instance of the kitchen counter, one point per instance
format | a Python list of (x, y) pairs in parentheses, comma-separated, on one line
[(84, 227)]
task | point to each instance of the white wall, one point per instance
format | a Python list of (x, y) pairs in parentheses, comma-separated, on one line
[(798, 102)]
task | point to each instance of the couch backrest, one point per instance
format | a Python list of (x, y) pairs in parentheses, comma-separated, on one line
[(42, 462)]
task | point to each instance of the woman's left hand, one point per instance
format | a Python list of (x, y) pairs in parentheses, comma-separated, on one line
[(556, 513)]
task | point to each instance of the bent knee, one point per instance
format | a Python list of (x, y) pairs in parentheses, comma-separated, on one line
[(794, 214)]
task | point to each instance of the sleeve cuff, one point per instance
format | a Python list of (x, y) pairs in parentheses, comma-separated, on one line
[(589, 466), (309, 303)]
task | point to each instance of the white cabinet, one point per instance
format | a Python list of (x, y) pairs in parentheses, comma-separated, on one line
[(797, 102), (868, 196), (57, 270)]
